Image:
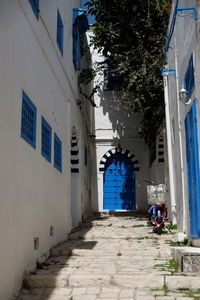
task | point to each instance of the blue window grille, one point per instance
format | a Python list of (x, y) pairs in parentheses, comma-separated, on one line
[(57, 153), (189, 77), (35, 7), (46, 140), (112, 81), (60, 32), (28, 120)]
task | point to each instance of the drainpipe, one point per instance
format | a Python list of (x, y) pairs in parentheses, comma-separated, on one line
[(169, 148), (180, 139)]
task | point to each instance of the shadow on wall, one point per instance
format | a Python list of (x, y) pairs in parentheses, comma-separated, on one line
[(126, 124)]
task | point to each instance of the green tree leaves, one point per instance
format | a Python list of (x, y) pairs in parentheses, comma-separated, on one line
[(131, 34)]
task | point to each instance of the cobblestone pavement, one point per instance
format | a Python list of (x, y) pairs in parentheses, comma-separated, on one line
[(109, 258)]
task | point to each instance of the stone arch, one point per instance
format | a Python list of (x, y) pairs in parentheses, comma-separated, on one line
[(74, 152), (130, 155)]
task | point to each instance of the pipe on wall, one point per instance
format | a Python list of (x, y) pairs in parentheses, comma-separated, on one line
[(170, 153)]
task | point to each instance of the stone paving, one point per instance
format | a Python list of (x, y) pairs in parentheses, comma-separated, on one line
[(111, 258)]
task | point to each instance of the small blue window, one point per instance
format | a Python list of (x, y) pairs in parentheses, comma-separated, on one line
[(189, 77), (46, 140), (112, 81), (57, 153), (60, 32), (35, 7), (28, 120)]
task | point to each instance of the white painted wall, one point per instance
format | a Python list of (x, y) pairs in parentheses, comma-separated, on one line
[(35, 195), (113, 125), (185, 41)]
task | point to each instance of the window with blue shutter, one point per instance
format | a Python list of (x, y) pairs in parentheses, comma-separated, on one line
[(113, 81), (189, 77), (35, 7), (80, 26), (57, 153), (46, 140), (60, 32), (76, 48), (28, 120)]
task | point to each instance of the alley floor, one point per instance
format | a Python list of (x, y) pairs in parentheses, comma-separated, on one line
[(110, 258)]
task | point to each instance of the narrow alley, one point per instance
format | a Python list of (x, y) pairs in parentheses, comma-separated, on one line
[(112, 257)]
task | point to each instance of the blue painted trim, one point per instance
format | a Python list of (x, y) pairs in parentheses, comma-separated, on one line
[(57, 153), (171, 71), (181, 9), (35, 7), (24, 131), (46, 140), (60, 32)]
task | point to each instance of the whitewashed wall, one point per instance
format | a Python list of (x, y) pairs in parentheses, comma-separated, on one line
[(185, 41), (114, 125), (35, 195)]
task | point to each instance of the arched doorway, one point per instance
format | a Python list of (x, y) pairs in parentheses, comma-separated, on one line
[(119, 182)]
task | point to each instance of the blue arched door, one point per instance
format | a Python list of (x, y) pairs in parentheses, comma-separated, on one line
[(119, 182)]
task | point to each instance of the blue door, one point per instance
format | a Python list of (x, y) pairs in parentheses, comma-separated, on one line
[(193, 171), (119, 183)]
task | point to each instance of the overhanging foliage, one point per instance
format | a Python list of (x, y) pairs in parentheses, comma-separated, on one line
[(131, 34)]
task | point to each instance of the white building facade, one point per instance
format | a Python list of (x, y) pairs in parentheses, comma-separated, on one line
[(45, 177), (182, 119), (61, 159), (124, 161)]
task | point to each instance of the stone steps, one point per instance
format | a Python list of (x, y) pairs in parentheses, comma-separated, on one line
[(63, 280), (109, 263)]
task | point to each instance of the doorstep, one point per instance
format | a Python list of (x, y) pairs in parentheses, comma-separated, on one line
[(188, 258)]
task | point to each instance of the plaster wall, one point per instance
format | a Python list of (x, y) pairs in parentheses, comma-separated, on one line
[(115, 125), (184, 42), (34, 194)]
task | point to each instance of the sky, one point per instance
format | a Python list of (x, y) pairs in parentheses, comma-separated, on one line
[(91, 19)]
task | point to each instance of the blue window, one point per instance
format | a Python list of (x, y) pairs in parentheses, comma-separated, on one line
[(28, 120), (60, 32), (35, 7), (112, 81), (57, 153), (46, 140), (189, 77), (80, 26)]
